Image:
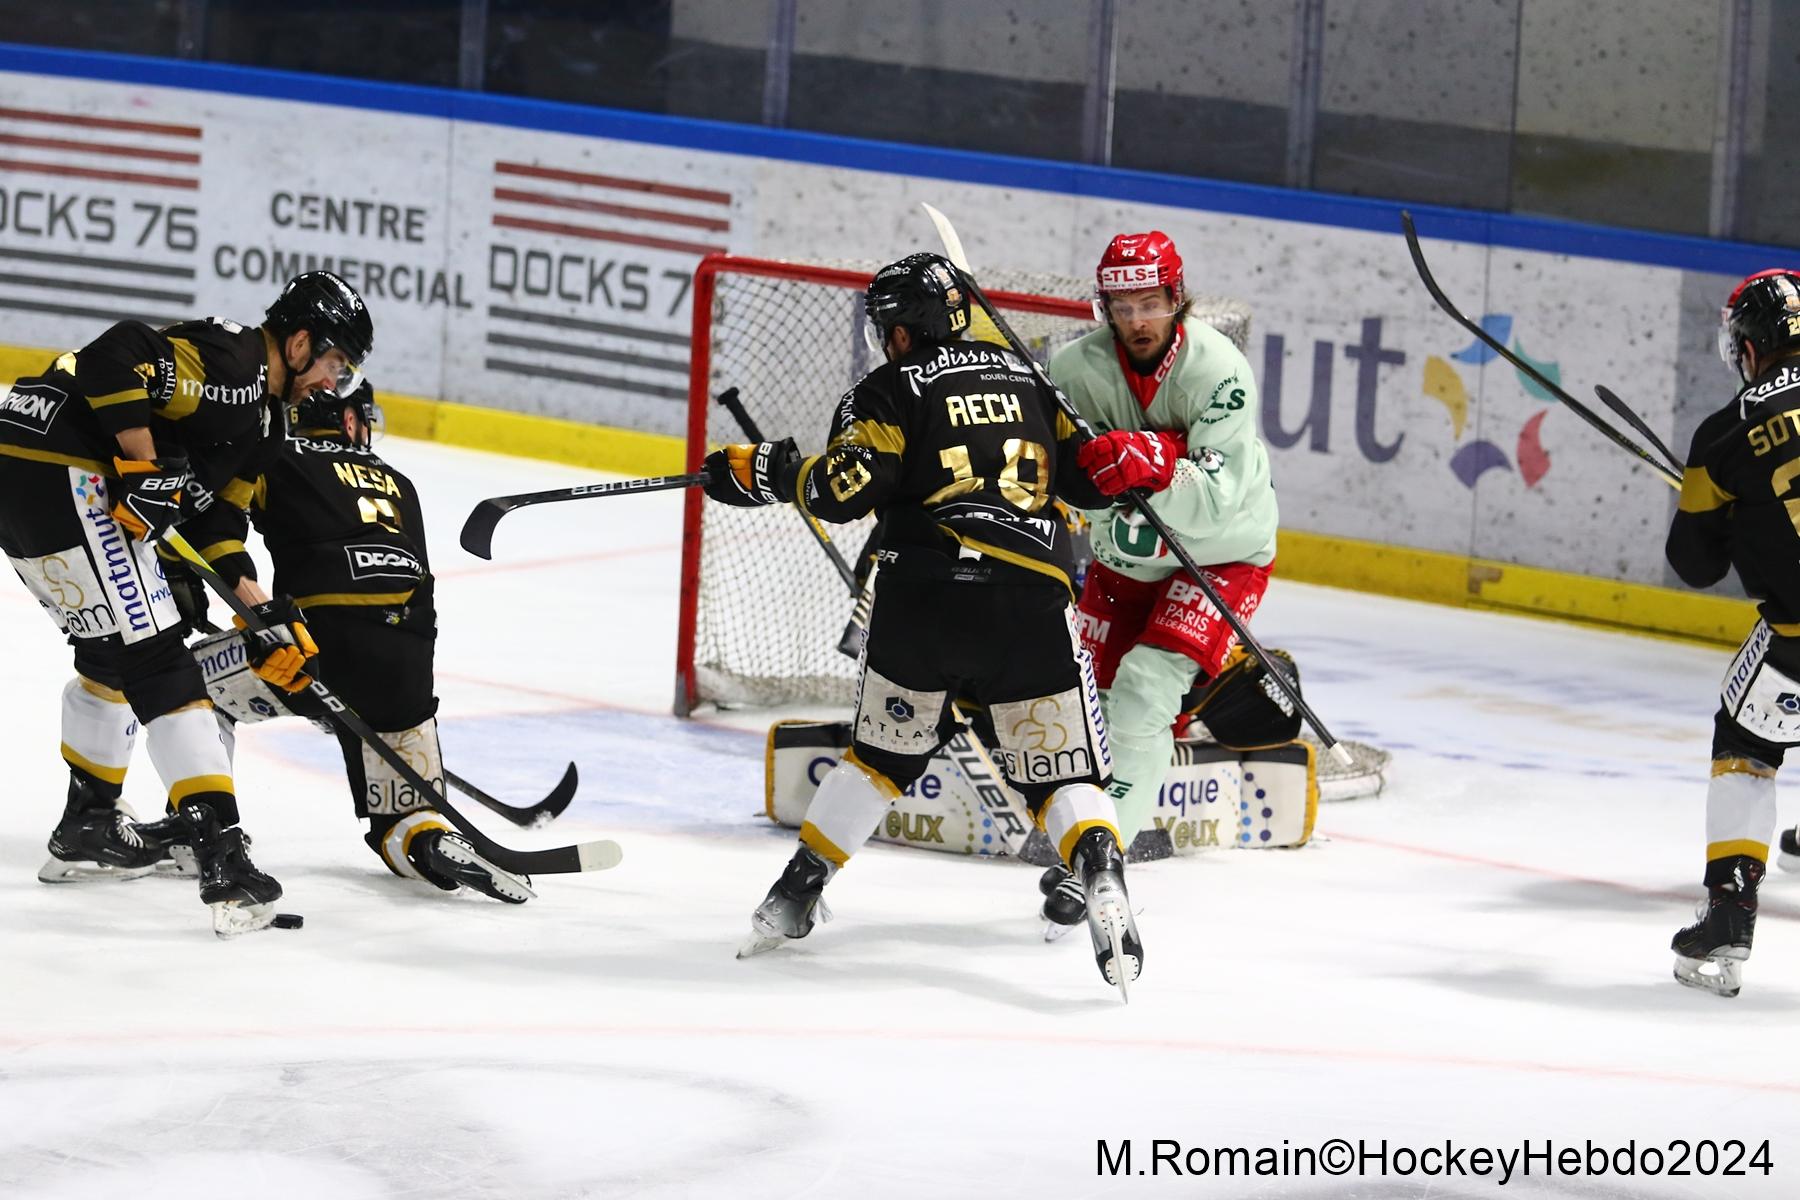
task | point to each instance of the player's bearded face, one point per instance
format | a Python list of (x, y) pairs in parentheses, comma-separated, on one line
[(1144, 323)]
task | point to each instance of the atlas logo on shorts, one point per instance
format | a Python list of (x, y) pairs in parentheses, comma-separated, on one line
[(899, 709)]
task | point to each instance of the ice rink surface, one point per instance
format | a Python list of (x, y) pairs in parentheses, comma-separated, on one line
[(1476, 958)]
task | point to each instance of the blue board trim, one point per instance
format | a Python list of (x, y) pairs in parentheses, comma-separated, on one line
[(1734, 259)]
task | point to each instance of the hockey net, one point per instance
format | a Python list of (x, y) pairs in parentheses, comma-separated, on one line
[(762, 606)]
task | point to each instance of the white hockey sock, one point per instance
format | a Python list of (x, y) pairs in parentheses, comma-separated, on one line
[(846, 810), (98, 729), (1072, 810), (1740, 809), (188, 753)]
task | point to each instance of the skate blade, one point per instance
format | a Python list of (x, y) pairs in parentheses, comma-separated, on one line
[(1726, 980), (505, 887), (179, 865), (1110, 921), (758, 943), (55, 870), (231, 918), (1054, 932)]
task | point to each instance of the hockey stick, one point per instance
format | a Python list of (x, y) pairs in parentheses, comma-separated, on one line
[(588, 856), (1612, 401), (1139, 498), (850, 642), (1581, 410), (478, 531), (532, 816)]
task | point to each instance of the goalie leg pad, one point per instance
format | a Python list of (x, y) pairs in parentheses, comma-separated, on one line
[(846, 809), (98, 732)]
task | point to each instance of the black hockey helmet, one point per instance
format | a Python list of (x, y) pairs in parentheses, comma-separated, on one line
[(922, 293), (327, 308), (1763, 310), (325, 410)]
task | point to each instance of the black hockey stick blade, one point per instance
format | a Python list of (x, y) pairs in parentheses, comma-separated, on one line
[(1629, 415), (1138, 497), (1579, 409), (478, 531), (530, 816), (563, 860)]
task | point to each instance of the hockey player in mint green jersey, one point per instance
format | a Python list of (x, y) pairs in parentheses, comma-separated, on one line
[(1174, 406)]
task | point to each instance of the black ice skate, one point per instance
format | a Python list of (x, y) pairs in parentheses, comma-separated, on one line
[(1117, 950), (241, 897), (788, 910), (175, 839), (1710, 953), (96, 840), (1787, 855), (1065, 903), (443, 857)]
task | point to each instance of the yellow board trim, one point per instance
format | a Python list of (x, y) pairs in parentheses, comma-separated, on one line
[(1466, 582), (1717, 850), (112, 775), (181, 789), (1433, 576)]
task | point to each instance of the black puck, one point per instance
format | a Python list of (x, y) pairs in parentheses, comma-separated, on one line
[(287, 921)]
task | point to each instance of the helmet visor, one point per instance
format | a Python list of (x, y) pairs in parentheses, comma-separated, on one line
[(1727, 351)]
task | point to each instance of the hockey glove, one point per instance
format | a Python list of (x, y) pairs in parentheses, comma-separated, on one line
[(279, 657), (151, 497), (751, 474), (1122, 460), (189, 592)]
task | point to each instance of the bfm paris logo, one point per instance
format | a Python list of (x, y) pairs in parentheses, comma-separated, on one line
[(1444, 383)]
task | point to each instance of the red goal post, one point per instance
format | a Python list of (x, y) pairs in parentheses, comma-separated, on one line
[(761, 605)]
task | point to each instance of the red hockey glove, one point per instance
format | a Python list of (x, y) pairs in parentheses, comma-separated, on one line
[(1122, 460), (152, 496), (750, 474)]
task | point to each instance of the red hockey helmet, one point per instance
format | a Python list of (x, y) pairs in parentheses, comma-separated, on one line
[(1134, 261)]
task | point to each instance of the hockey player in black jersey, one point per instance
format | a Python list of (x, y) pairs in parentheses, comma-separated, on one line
[(345, 533), (101, 454), (953, 444), (1740, 507)]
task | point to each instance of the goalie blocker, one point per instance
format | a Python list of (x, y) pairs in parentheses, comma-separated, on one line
[(1252, 786)]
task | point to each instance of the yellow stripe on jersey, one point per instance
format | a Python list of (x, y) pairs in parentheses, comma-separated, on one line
[(219, 550), (190, 379), (48, 456), (239, 492), (112, 398), (876, 435), (356, 599), (1700, 494)]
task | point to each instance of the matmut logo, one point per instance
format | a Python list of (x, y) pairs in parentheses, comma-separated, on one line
[(1128, 277)]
